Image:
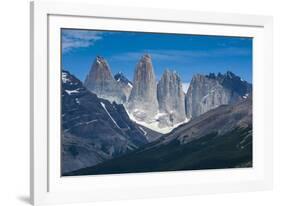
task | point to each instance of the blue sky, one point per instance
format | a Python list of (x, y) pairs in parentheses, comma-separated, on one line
[(187, 54)]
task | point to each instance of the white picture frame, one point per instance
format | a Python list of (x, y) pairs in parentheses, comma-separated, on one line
[(47, 186)]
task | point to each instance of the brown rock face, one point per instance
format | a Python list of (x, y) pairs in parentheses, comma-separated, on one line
[(143, 102), (101, 82)]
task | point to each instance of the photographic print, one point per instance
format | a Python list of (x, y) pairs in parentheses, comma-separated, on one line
[(154, 102)]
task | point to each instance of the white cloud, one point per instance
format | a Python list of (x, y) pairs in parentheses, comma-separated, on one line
[(72, 39), (170, 55), (177, 55)]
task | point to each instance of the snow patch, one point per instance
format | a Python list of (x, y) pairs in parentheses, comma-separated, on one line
[(65, 78), (154, 124), (144, 132), (72, 91), (245, 96), (81, 123), (160, 114), (185, 86), (77, 101), (103, 105), (89, 122)]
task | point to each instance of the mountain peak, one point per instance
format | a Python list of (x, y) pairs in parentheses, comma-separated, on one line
[(101, 60), (167, 71), (230, 74), (119, 73), (199, 77), (143, 98), (101, 82), (99, 57), (227, 74), (100, 70), (120, 77), (146, 56)]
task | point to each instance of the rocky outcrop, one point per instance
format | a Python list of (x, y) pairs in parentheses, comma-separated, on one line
[(170, 99), (207, 92), (143, 104), (125, 84), (101, 82), (93, 129)]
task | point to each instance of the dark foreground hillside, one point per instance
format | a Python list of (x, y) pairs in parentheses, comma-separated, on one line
[(233, 149)]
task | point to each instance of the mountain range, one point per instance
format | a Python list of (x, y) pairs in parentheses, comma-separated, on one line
[(163, 105), (111, 124)]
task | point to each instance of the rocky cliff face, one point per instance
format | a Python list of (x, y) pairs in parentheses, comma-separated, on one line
[(101, 82), (170, 99), (207, 92), (93, 129), (142, 102)]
